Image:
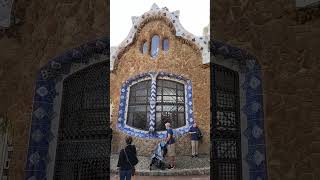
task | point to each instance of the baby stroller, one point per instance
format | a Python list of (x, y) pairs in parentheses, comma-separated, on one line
[(157, 158)]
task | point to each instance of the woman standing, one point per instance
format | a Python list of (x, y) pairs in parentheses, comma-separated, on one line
[(195, 137), (127, 160), (170, 139)]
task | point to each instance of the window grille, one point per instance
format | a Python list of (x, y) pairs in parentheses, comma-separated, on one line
[(83, 148), (139, 108), (170, 104), (226, 134)]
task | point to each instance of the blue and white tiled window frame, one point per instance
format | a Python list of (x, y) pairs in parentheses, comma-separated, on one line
[(151, 134)]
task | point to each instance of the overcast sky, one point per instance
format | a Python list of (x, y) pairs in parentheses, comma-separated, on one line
[(194, 15)]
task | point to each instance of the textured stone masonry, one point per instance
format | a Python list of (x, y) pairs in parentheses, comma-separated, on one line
[(181, 59)]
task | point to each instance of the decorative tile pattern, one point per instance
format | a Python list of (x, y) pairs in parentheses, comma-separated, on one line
[(43, 103), (200, 41), (124, 95), (153, 99), (253, 108)]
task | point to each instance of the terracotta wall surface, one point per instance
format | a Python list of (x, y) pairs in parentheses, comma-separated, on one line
[(286, 42), (181, 59), (47, 29)]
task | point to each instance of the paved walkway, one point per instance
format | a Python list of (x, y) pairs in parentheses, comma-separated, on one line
[(116, 177), (186, 166)]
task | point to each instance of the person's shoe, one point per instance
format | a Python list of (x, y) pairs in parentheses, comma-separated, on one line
[(196, 155), (170, 167), (192, 156)]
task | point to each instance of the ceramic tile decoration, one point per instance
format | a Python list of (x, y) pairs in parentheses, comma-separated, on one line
[(253, 108), (152, 133), (200, 41), (44, 100), (51, 75)]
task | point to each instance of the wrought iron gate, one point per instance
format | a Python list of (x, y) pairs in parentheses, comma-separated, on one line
[(225, 132), (83, 148)]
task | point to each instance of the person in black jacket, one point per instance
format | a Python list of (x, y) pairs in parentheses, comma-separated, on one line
[(127, 160)]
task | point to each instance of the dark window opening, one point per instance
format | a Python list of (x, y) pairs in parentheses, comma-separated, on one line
[(226, 132), (84, 135), (170, 105), (138, 108), (5, 172)]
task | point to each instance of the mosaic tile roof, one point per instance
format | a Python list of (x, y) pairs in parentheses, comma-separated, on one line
[(137, 21)]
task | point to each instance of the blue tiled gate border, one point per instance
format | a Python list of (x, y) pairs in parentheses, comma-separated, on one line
[(43, 103), (253, 109)]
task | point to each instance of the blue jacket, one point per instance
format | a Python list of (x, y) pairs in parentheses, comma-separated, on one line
[(194, 136), (172, 140)]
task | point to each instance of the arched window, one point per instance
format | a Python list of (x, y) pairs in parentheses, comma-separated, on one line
[(155, 46), (170, 104), (165, 44), (144, 47), (138, 107), (149, 100)]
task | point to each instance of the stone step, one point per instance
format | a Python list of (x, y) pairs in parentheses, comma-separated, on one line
[(197, 177), (171, 172), (185, 166)]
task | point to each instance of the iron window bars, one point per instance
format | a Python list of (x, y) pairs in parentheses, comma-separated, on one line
[(83, 146), (138, 108), (226, 132), (170, 104)]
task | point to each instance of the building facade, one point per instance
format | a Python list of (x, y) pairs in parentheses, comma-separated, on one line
[(159, 74), (283, 39)]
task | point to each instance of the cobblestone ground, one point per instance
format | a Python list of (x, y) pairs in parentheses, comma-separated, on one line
[(185, 166)]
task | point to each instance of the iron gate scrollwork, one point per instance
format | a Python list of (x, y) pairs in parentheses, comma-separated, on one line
[(83, 148), (226, 132)]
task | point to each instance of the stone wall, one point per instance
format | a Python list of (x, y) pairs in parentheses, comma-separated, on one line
[(181, 59), (47, 29), (286, 43)]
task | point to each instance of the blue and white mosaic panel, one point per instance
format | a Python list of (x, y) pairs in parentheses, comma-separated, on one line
[(253, 108), (44, 101), (124, 97)]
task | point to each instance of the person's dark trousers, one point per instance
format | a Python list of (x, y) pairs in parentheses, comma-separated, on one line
[(125, 174)]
